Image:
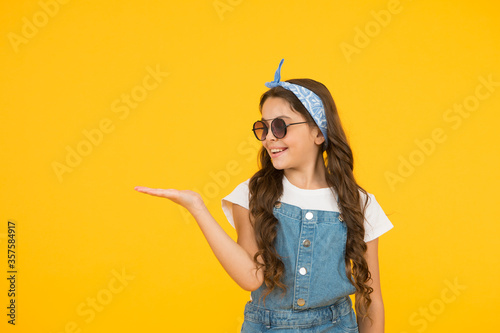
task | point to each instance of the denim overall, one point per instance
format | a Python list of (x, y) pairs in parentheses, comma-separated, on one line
[(312, 246)]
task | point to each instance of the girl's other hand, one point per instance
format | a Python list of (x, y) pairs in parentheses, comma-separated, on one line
[(190, 200)]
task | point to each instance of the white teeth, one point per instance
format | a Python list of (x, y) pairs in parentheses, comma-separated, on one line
[(276, 150)]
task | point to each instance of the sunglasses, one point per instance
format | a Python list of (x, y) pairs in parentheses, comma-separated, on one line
[(278, 127)]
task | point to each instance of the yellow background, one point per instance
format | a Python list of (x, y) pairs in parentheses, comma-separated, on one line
[(79, 228)]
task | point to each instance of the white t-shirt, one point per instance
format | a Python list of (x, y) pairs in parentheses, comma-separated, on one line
[(376, 222)]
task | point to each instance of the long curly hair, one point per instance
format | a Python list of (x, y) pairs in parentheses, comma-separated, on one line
[(266, 187)]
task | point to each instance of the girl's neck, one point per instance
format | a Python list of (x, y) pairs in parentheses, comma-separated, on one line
[(310, 177)]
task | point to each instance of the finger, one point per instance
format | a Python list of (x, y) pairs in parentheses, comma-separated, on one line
[(142, 188), (159, 192), (152, 191)]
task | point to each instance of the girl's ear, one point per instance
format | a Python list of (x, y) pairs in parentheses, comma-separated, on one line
[(319, 138)]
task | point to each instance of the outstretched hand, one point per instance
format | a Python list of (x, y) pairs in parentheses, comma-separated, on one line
[(187, 199)]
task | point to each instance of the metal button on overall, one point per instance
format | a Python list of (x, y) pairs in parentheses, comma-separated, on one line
[(303, 271), (309, 215), (306, 243), (277, 205), (301, 302)]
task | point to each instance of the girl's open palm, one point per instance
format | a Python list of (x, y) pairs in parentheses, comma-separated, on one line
[(188, 199)]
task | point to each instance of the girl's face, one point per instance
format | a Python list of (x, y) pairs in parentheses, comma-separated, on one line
[(300, 147)]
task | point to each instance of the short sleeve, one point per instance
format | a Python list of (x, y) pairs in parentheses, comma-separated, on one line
[(376, 222), (239, 196)]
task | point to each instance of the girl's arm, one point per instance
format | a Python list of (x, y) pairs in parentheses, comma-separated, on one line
[(235, 257), (376, 309)]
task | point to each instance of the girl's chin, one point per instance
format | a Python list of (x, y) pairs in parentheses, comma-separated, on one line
[(278, 166)]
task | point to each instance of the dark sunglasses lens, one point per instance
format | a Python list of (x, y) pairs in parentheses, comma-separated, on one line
[(260, 130), (278, 127)]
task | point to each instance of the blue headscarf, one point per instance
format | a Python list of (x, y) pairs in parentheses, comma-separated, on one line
[(309, 99)]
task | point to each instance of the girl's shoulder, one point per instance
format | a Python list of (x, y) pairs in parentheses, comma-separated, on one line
[(239, 196)]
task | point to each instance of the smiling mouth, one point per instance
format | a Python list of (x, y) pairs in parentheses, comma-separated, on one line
[(275, 152)]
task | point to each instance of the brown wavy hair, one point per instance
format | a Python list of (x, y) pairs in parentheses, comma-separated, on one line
[(266, 187)]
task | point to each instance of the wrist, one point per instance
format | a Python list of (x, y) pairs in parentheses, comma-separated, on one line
[(198, 207)]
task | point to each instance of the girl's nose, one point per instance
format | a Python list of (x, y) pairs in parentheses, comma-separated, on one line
[(270, 136)]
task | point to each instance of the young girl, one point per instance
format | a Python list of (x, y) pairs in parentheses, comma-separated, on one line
[(307, 232)]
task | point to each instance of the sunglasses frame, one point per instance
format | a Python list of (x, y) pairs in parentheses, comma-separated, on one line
[(266, 128)]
